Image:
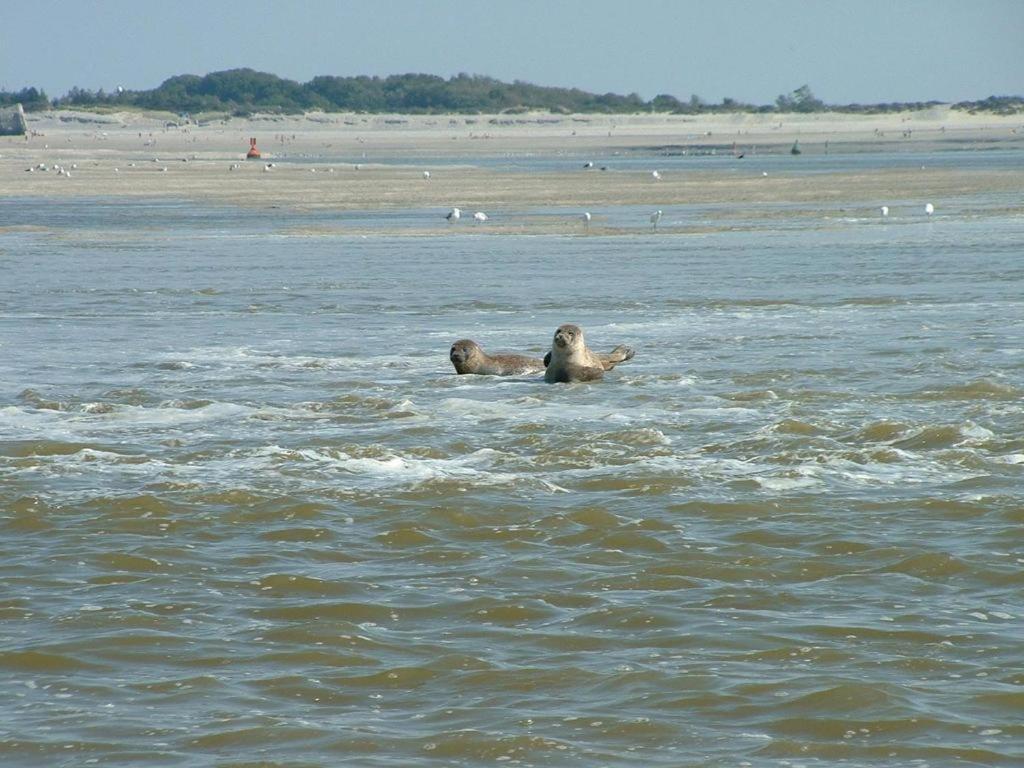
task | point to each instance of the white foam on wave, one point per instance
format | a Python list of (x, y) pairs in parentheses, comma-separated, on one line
[(729, 413), (821, 470), (481, 410), (1010, 458), (912, 469), (98, 468), (250, 358), (786, 483), (18, 423), (94, 455), (392, 469), (17, 418), (529, 407), (549, 408), (974, 432), (173, 415)]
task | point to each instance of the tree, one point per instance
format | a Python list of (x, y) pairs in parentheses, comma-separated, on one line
[(800, 100), (32, 99)]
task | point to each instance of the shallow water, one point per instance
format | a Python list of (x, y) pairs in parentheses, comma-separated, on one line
[(250, 517)]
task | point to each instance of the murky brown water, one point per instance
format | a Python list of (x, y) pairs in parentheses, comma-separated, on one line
[(249, 516)]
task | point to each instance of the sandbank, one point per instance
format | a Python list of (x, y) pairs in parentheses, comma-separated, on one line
[(350, 162)]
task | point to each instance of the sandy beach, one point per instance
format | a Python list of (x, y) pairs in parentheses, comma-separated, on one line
[(372, 162)]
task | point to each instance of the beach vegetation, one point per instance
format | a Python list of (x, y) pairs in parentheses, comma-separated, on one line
[(800, 100), (1000, 105), (242, 92), (31, 99)]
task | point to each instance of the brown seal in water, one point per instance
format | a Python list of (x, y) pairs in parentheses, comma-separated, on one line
[(469, 357), (570, 360)]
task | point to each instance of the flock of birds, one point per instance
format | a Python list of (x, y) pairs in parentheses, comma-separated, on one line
[(454, 214), (655, 218), (60, 170)]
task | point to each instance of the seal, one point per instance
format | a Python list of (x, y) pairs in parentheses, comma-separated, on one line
[(609, 360), (469, 357), (570, 358)]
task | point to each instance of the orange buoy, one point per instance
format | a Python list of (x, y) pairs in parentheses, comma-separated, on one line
[(253, 153)]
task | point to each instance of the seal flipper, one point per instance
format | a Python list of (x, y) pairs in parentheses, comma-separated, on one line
[(620, 354), (547, 359)]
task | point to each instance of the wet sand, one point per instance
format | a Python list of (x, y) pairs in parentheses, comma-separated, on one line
[(317, 156)]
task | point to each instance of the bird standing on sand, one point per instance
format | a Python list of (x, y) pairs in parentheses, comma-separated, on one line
[(426, 174), (885, 210), (656, 175), (480, 217), (929, 209), (453, 215), (655, 218), (586, 219)]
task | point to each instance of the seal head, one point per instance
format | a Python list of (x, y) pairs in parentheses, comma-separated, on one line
[(465, 355)]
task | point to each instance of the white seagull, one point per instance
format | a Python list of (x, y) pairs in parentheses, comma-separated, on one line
[(655, 218), (453, 215), (656, 175), (929, 209), (480, 216), (885, 210), (586, 219), (426, 174)]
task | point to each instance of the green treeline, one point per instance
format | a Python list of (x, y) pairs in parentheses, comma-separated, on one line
[(31, 99), (243, 91)]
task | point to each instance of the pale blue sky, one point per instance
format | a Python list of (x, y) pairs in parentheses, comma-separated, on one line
[(858, 50)]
